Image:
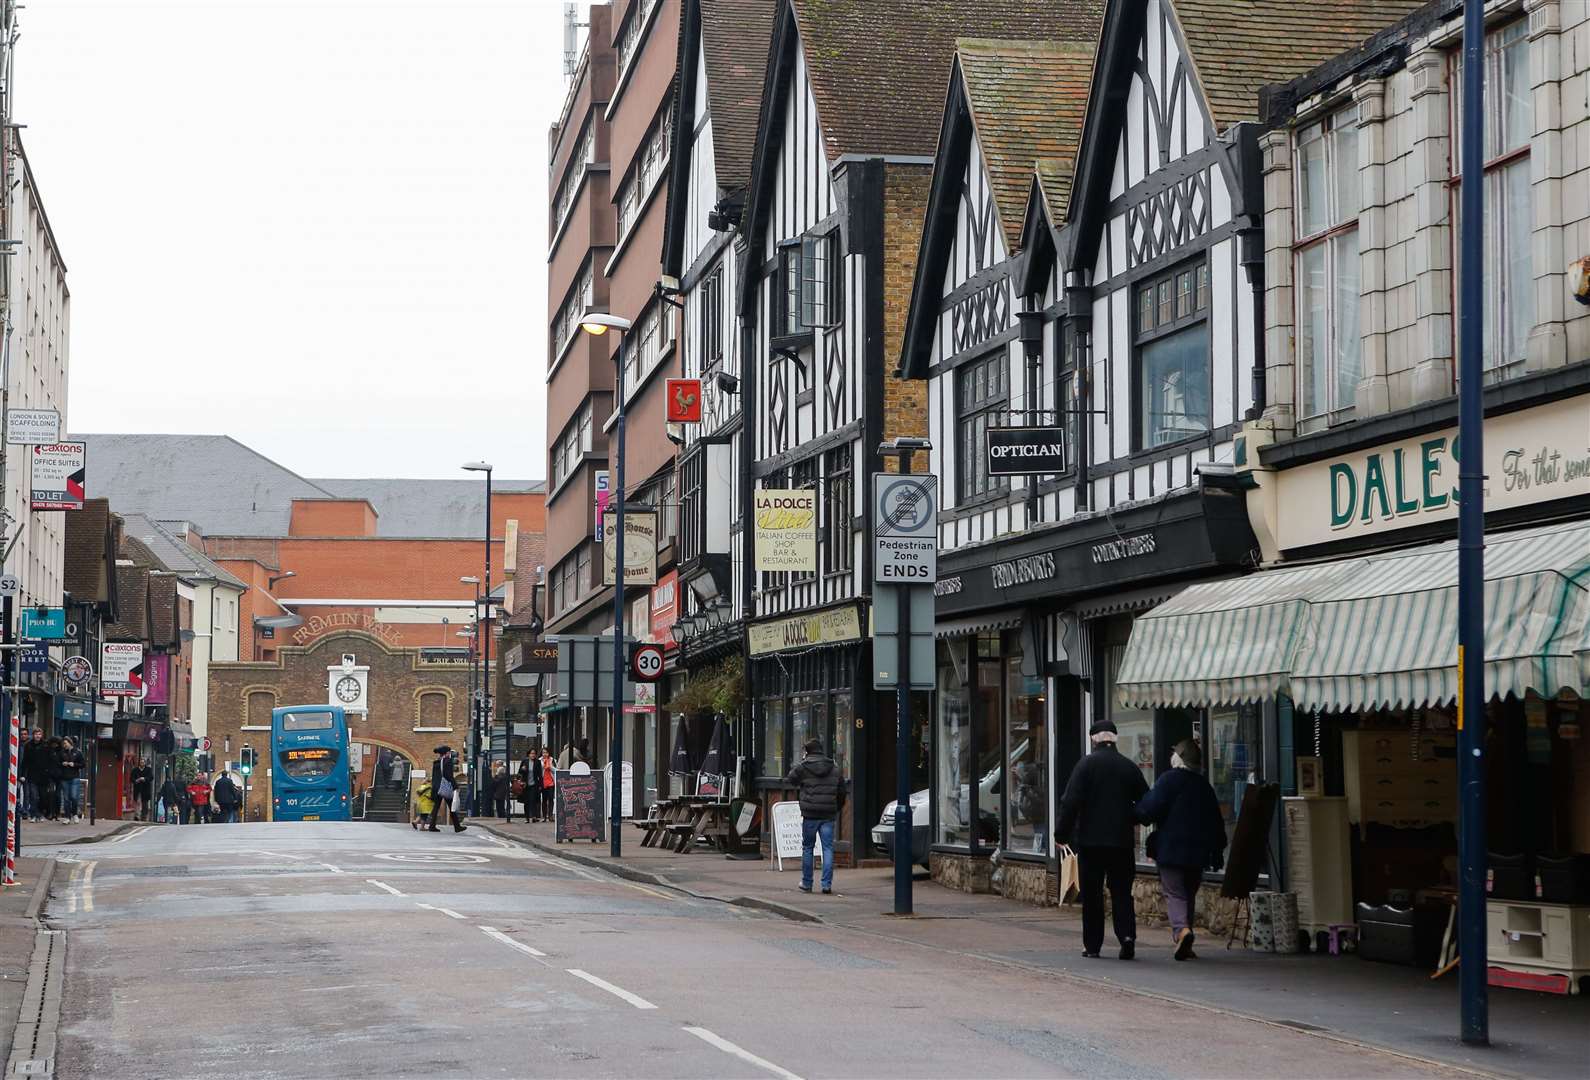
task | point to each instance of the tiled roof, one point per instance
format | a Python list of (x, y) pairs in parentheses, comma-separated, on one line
[(1239, 46), (734, 44), (168, 552), (132, 604), (1054, 183), (1028, 100), (87, 550), (880, 68)]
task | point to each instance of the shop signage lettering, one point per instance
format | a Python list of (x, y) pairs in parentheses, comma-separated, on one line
[(949, 586), (804, 631), (1026, 451), (1128, 547), (316, 625), (786, 530), (1023, 571), (1531, 456)]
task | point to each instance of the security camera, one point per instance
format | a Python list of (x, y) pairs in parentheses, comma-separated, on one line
[(729, 384)]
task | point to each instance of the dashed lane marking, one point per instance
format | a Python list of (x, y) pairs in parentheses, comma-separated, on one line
[(740, 1052), (449, 912), (617, 991), (456, 857), (493, 932), (384, 885), (333, 869)]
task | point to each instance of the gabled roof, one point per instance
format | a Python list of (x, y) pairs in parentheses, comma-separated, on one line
[(165, 622), (89, 572), (168, 552), (879, 68), (1238, 46), (1027, 100)]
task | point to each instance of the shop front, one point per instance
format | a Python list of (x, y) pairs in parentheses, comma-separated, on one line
[(1030, 631)]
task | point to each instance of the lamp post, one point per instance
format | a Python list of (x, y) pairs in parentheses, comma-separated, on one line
[(596, 324), (474, 629), (485, 637)]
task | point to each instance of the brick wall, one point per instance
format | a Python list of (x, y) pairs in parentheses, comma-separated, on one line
[(298, 676), (332, 517), (905, 198)]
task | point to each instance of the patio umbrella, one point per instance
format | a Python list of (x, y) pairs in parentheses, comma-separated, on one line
[(680, 762), (719, 760)]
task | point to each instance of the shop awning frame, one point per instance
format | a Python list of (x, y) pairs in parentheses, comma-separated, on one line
[(990, 622), (1372, 632)]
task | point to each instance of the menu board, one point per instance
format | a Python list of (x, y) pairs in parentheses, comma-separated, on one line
[(580, 806)]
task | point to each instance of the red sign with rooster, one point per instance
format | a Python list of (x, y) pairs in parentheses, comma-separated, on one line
[(684, 401)]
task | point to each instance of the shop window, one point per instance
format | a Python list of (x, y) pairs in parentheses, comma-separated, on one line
[(844, 719), (982, 396), (1509, 127), (954, 765), (1328, 358), (808, 720), (1172, 338), (1234, 755), (774, 761), (1027, 758)]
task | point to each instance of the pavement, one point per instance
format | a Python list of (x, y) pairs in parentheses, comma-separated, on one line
[(1387, 1006), (354, 949), (19, 907), (49, 834)]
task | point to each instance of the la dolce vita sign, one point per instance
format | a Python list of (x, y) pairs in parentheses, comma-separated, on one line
[(1531, 456)]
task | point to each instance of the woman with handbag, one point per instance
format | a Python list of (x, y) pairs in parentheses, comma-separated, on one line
[(460, 800), (548, 786), (527, 787), (442, 786), (1189, 835)]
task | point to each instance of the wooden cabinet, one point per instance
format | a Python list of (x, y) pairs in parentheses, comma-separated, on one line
[(1531, 937), (1318, 860), (1405, 778)]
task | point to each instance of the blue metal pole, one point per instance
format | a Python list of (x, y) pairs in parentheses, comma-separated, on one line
[(902, 745), (1475, 1025), (616, 744)]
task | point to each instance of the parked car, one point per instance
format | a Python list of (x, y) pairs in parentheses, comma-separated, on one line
[(921, 819)]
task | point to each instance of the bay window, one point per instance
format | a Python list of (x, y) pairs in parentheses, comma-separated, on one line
[(1327, 275)]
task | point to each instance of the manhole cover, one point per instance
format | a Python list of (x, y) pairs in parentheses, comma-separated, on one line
[(454, 857)]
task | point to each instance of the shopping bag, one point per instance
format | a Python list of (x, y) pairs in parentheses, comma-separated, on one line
[(1070, 875), (445, 788)]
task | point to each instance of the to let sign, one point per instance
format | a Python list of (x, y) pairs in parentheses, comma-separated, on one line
[(59, 470), (1026, 451), (121, 666), (905, 526), (684, 401)]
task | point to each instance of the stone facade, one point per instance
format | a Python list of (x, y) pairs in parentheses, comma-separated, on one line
[(413, 705)]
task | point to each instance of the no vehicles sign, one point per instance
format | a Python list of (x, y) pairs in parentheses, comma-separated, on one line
[(905, 523)]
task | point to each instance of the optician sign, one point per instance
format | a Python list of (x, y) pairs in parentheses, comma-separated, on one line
[(786, 530), (1531, 456), (1026, 451)]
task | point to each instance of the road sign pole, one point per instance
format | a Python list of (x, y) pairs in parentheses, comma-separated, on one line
[(13, 749), (903, 900)]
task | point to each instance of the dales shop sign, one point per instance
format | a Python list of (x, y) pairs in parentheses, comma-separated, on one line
[(1026, 451)]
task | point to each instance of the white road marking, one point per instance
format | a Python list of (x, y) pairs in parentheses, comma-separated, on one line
[(449, 912), (383, 885), (126, 836), (278, 854), (71, 889), (333, 869), (740, 1052), (493, 932), (88, 887), (617, 991)]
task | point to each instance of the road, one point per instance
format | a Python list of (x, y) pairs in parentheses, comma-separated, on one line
[(348, 949)]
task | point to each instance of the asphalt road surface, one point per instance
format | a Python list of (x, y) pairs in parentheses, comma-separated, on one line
[(347, 949)]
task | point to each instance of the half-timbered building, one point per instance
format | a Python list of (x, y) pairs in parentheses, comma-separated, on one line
[(722, 63), (833, 223)]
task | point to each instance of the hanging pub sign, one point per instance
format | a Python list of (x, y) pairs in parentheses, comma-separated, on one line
[(684, 401), (786, 530), (1026, 451), (59, 470), (121, 666), (640, 548)]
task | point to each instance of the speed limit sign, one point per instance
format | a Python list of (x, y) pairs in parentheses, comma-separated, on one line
[(646, 665)]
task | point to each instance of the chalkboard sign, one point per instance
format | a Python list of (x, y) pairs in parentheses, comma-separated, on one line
[(581, 809)]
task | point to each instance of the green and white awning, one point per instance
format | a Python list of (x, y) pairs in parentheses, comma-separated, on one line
[(1374, 632)]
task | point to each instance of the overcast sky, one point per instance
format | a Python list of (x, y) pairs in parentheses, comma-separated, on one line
[(316, 225)]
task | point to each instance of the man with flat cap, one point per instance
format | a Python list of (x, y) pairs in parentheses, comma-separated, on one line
[(1097, 818)]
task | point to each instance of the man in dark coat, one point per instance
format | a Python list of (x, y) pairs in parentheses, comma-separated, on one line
[(1097, 817), (226, 799), (822, 793)]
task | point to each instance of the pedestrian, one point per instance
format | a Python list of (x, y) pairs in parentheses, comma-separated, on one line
[(549, 784), (822, 793), (527, 786), (424, 802), (30, 756), (143, 779), (582, 752), (199, 798), (501, 790), (1098, 819), (171, 808), (69, 775), (1190, 835), (226, 797), (441, 785), (460, 799), (49, 773), (400, 771)]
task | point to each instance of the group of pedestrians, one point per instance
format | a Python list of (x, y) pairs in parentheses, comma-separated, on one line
[(51, 774), (1104, 801), (199, 802), (533, 787)]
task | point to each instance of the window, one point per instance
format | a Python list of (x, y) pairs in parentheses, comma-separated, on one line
[(1328, 360), (1173, 380), (982, 396), (629, 35), (309, 762), (580, 158), (692, 506), (647, 344), (310, 721), (430, 710), (773, 758), (811, 284), (1509, 127), (839, 512), (804, 477), (566, 323), (582, 571), (257, 708), (1026, 757), (572, 445), (709, 308), (651, 161)]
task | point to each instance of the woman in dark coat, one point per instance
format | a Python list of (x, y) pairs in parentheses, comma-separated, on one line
[(1190, 835), (529, 778)]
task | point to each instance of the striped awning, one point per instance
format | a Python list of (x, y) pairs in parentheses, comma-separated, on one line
[(1373, 632)]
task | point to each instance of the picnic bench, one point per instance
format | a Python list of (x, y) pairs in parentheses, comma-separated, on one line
[(678, 824)]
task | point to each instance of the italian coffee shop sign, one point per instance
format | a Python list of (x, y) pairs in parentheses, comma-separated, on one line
[(1531, 456)]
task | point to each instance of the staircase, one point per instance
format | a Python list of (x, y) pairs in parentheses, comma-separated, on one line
[(387, 804)]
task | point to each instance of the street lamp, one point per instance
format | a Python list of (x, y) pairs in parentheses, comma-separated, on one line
[(597, 324), (485, 639)]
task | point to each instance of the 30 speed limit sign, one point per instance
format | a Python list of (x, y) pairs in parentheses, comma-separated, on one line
[(646, 665)]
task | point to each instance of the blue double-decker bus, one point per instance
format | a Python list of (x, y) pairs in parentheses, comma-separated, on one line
[(309, 764)]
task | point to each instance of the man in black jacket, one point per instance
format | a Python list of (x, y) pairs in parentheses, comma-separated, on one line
[(822, 793), (1098, 805)]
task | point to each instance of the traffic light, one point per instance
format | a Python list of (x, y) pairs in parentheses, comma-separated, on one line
[(246, 764)]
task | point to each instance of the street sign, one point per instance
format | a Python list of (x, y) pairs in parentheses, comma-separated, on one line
[(646, 663), (10, 585), (33, 659), (204, 744), (59, 471), (43, 624), (77, 671), (905, 529), (24, 426), (604, 485), (684, 401), (1025, 451)]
